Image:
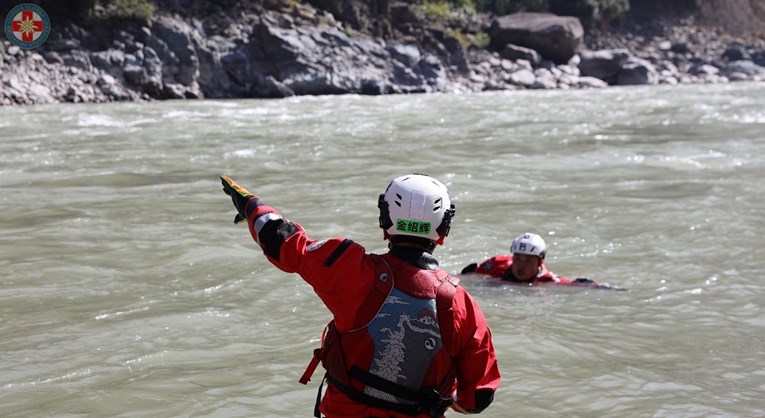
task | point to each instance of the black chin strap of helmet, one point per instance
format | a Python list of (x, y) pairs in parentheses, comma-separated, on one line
[(409, 241), (446, 221), (385, 221)]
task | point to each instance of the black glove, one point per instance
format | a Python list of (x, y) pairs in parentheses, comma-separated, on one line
[(469, 268), (239, 196), (584, 281)]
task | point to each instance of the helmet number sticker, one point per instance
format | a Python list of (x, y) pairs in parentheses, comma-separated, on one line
[(413, 227)]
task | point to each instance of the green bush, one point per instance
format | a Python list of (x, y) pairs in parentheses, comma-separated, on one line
[(481, 40), (130, 9), (604, 11), (437, 9)]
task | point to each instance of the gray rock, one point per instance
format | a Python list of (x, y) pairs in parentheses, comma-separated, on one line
[(317, 83), (568, 81), (133, 73), (54, 57), (758, 57), (174, 91), (78, 59), (133, 60), (569, 69), (152, 77), (588, 82), (680, 47), (375, 87), (107, 60), (734, 53), (514, 52), (456, 56), (603, 64), (62, 44), (168, 60), (737, 76), (522, 77), (106, 80), (237, 65), (183, 40), (749, 68), (507, 65), (125, 37), (636, 71), (39, 94), (557, 38), (704, 69), (664, 45), (525, 64), (544, 79), (409, 55), (271, 87), (433, 71)]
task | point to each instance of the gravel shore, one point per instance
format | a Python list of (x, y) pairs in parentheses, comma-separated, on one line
[(281, 53)]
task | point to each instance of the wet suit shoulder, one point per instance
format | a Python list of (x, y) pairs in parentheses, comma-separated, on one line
[(494, 266)]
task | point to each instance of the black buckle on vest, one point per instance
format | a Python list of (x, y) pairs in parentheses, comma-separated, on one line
[(427, 401), (435, 405)]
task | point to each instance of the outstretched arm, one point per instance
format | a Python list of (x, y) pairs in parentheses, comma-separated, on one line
[(324, 264), (470, 268), (266, 224), (586, 281), (495, 266)]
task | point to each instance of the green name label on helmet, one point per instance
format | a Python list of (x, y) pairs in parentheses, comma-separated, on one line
[(413, 227)]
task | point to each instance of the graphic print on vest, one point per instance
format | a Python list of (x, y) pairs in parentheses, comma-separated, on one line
[(406, 337)]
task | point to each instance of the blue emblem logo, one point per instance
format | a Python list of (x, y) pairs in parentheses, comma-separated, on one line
[(27, 26)]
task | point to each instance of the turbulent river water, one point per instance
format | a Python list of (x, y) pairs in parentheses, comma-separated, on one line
[(127, 291)]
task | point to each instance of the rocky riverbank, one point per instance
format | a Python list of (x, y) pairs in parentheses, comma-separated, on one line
[(298, 50)]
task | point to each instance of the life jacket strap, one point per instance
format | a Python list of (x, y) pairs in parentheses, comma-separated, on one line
[(428, 402), (316, 411), (385, 385), (311, 367)]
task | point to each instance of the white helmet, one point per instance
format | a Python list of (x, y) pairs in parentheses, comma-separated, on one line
[(416, 205), (531, 244)]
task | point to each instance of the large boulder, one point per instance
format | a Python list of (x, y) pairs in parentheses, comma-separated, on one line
[(637, 71), (743, 70), (618, 67), (557, 38), (604, 64), (177, 42)]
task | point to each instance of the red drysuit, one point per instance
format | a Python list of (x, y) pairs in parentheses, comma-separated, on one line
[(395, 314)]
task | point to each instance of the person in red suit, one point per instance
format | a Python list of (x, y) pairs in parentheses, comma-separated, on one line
[(405, 339), (526, 265)]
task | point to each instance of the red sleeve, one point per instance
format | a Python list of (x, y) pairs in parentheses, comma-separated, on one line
[(547, 275), (550, 276), (495, 266), (326, 265), (477, 368), (562, 280)]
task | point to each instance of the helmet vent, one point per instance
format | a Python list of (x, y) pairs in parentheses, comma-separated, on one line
[(438, 204)]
